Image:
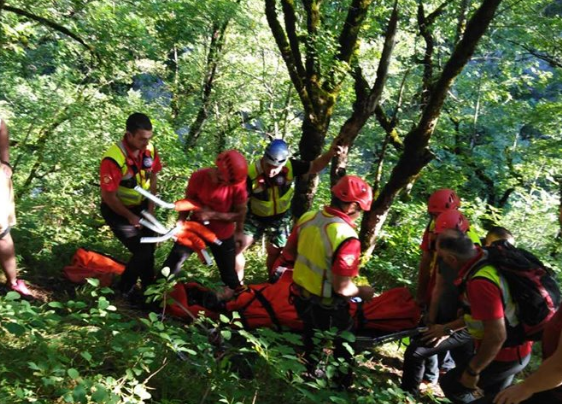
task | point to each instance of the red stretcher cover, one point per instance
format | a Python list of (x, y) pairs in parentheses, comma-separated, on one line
[(268, 305)]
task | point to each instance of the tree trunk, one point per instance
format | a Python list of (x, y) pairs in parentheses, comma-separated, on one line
[(316, 87), (416, 153)]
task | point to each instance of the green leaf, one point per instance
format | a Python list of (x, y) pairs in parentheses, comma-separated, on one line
[(79, 394), (93, 281), (86, 355), (15, 328), (56, 305), (73, 373), (11, 295), (165, 272), (100, 394)]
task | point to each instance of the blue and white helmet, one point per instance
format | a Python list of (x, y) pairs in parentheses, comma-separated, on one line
[(276, 153)]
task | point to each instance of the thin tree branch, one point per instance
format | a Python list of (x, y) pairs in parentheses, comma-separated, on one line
[(50, 24)]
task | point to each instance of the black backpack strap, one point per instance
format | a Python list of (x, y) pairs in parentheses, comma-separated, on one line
[(360, 316), (268, 308), (475, 268)]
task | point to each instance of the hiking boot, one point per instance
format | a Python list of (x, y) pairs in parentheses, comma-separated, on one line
[(21, 288)]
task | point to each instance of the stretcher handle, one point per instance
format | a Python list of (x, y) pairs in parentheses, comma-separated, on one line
[(167, 236), (150, 225), (205, 257), (153, 221), (154, 198)]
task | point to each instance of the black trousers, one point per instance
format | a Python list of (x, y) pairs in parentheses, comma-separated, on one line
[(496, 377), (459, 344), (141, 264), (224, 257), (319, 317)]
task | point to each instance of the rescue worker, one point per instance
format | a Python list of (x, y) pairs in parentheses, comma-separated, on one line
[(270, 189), (446, 333), (221, 191), (498, 355), (8, 217), (325, 251), (130, 162), (440, 201)]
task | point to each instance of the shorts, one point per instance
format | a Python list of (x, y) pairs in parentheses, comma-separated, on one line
[(276, 231), (7, 205)]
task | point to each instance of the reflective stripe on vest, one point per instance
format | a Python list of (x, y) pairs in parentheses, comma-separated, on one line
[(476, 327), (272, 202), (126, 194), (320, 234)]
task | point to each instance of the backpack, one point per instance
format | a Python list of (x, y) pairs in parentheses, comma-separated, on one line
[(532, 285)]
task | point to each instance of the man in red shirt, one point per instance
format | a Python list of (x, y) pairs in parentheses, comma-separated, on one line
[(221, 191), (130, 162), (498, 355), (325, 250)]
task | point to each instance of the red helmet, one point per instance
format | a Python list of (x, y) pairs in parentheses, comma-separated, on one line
[(353, 189), (443, 200), (451, 219), (232, 166)]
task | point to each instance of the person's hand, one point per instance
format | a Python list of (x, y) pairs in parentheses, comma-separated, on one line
[(6, 170), (366, 293), (513, 395), (468, 381), (434, 335), (134, 220), (203, 215), (336, 148)]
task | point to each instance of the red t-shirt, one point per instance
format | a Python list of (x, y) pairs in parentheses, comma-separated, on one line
[(111, 174), (486, 304), (346, 259), (218, 197)]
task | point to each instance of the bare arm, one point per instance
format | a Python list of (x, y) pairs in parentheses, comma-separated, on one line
[(111, 200), (241, 210), (494, 337), (237, 214), (4, 142), (344, 285), (424, 273), (547, 376), (435, 297), (321, 162)]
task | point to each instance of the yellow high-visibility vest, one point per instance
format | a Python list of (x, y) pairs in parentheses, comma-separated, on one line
[(131, 175), (320, 234), (270, 200), (476, 327)]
